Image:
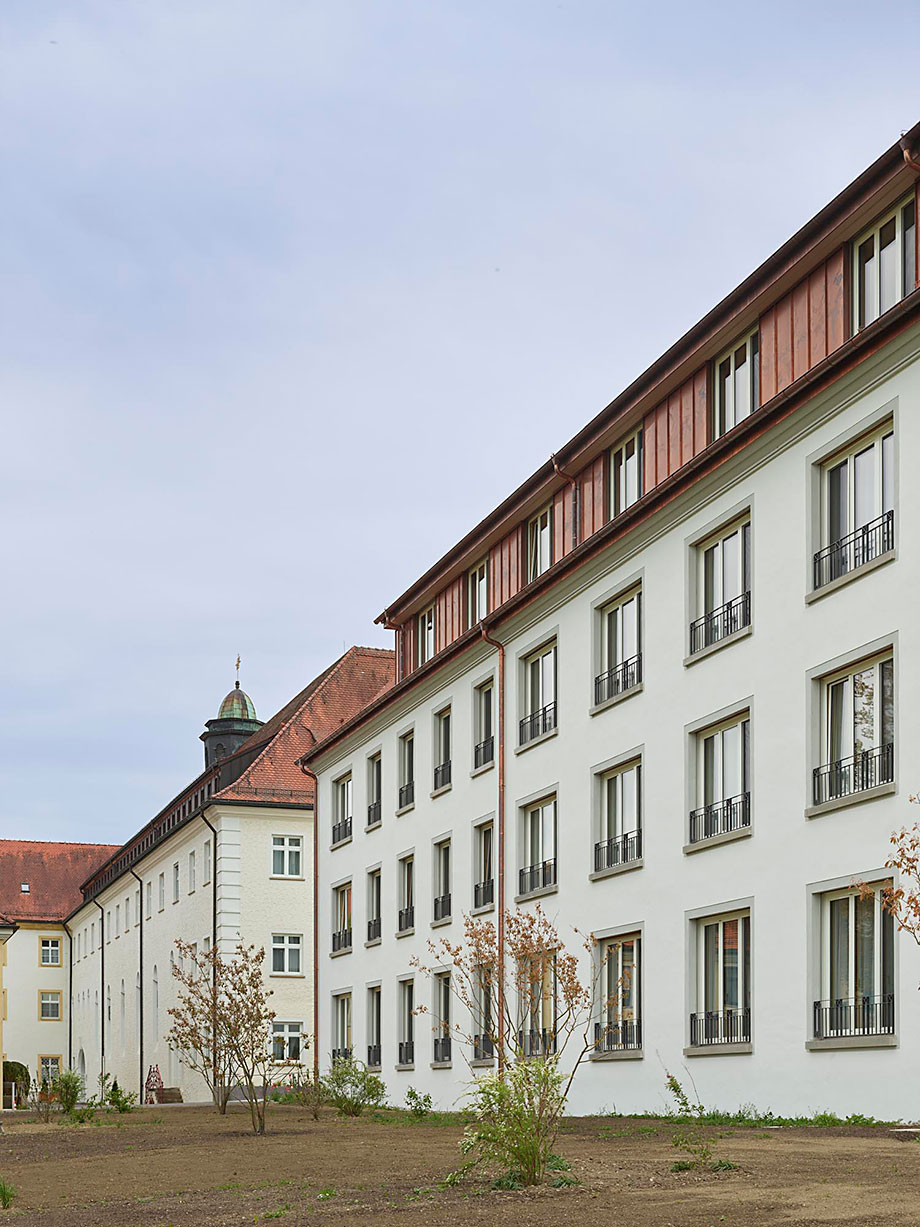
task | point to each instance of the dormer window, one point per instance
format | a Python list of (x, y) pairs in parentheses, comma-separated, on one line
[(884, 263), (737, 380), (24, 888), (426, 635)]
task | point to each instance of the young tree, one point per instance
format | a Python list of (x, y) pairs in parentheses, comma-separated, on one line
[(902, 902), (535, 1014), (194, 1033)]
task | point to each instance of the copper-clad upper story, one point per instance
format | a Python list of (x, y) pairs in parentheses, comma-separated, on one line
[(798, 319)]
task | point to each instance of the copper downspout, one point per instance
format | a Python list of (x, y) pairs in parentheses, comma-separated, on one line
[(576, 510), (908, 155), (312, 774), (501, 844)]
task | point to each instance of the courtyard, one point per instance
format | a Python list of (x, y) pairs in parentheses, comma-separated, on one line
[(185, 1165)]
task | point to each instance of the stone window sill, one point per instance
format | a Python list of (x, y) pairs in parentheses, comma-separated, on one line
[(857, 573), (615, 870), (615, 699), (340, 843), (537, 894), (439, 924), (484, 768), (374, 942), (480, 911), (719, 1050), (727, 837), (439, 792), (399, 813), (852, 798), (627, 1054), (536, 741), (405, 932), (835, 1043), (717, 647), (402, 1068), (337, 954)]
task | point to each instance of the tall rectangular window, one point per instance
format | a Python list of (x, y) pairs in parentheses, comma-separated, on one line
[(884, 263), (442, 880), (406, 919), (620, 834), (206, 862), (286, 954), (857, 965), (191, 872), (374, 789), (620, 654), (342, 795), (442, 749), (540, 544), (286, 1044), (539, 684), (406, 1022), (857, 729), (723, 989), (51, 952), (442, 1012), (538, 869), (149, 897), (620, 1025), (341, 917), (426, 635), (737, 384), (478, 593), (374, 910), (484, 886), (723, 565), (484, 1036), (286, 856), (161, 891), (175, 882), (483, 719), (723, 773), (374, 1027), (625, 474), (406, 770), (537, 1004), (857, 504)]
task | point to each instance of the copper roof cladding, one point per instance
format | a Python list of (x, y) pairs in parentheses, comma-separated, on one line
[(855, 206), (271, 778), (53, 873)]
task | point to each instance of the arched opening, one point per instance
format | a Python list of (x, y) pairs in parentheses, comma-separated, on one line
[(81, 1066)]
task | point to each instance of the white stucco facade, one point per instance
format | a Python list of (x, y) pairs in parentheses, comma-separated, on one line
[(778, 875), (36, 997)]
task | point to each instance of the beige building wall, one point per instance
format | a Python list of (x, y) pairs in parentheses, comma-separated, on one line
[(36, 996)]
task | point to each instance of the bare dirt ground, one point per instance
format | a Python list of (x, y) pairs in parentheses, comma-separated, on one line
[(187, 1166)]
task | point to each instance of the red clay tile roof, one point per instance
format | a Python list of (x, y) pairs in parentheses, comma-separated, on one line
[(54, 873), (331, 699)]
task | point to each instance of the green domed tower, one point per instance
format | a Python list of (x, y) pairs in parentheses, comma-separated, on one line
[(236, 720)]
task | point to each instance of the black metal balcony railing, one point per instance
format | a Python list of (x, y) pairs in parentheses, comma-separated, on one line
[(854, 1016), (406, 794), (442, 1048), (373, 813), (538, 723), (341, 940), (720, 1027), (373, 1056), (537, 1043), (442, 907), (619, 679), (341, 830), (373, 929), (719, 623), (535, 877), (484, 893), (406, 1052), (484, 752), (442, 775), (720, 817), (617, 1036), (406, 918), (854, 550), (867, 769), (483, 1048), (341, 1054), (617, 851)]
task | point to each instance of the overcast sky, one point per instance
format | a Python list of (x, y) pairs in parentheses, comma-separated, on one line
[(295, 291)]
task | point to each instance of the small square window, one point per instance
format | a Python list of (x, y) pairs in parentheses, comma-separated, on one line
[(286, 856)]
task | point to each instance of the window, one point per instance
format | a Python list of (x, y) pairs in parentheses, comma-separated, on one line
[(540, 544), (406, 918), (857, 730), (620, 833), (442, 1035), (341, 917), (406, 770), (191, 872), (92, 938), (442, 880), (175, 882), (374, 1029), (286, 1041), (426, 635), (537, 1005), (50, 952), (108, 925), (117, 921), (442, 749), (625, 474), (484, 1016), (857, 966), (127, 913), (484, 737), (478, 593), (374, 901), (374, 789), (724, 587), (206, 862), (49, 1006), (620, 648), (737, 384), (286, 850), (723, 776), (406, 1022), (620, 1026), (723, 988), (857, 507), (161, 892), (539, 847), (884, 263), (539, 694), (48, 1068), (137, 906), (341, 1027), (286, 949), (341, 809), (484, 887)]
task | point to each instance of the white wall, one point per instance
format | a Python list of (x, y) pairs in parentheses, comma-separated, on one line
[(26, 1036), (786, 850)]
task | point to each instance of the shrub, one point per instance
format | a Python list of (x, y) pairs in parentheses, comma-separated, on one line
[(516, 1119), (68, 1089), (350, 1088), (418, 1106), (7, 1193), (121, 1101), (690, 1137)]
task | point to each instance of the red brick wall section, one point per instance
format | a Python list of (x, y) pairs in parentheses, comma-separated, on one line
[(804, 327)]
